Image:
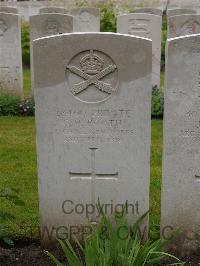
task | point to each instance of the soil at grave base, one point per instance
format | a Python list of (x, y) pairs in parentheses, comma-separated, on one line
[(28, 254)]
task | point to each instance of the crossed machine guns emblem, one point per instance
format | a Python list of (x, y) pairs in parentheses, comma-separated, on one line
[(92, 72)]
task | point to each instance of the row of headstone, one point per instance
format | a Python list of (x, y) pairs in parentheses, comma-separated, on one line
[(45, 24), (93, 115), (51, 21), (85, 19)]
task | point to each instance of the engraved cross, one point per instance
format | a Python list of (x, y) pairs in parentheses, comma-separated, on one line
[(93, 176)]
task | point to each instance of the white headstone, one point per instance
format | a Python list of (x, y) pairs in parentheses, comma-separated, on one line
[(93, 116), (53, 9), (180, 11), (46, 25), (10, 54), (86, 19), (149, 26), (149, 10), (8, 9), (181, 167), (183, 25)]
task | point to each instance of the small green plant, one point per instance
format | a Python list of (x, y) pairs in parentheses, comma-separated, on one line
[(11, 105), (108, 17), (27, 107), (25, 36), (118, 244), (157, 106), (11, 195), (164, 38)]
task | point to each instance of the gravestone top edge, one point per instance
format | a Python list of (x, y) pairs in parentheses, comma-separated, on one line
[(50, 9), (91, 33), (149, 9), (139, 15), (85, 9), (183, 37), (14, 9), (10, 14), (185, 10), (184, 15), (50, 14), (59, 7)]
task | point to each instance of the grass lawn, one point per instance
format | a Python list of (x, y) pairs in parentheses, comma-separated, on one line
[(18, 171), (27, 82)]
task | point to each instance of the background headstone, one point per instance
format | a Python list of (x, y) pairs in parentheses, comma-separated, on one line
[(148, 26), (10, 54), (153, 11), (86, 19), (52, 9), (181, 168), (183, 25), (93, 116), (46, 25), (7, 9), (180, 11)]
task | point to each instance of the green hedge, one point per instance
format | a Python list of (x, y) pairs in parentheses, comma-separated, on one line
[(164, 38), (26, 44), (11, 105), (108, 18), (157, 105)]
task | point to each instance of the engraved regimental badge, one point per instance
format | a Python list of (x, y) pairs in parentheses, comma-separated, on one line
[(51, 27), (92, 76), (3, 27)]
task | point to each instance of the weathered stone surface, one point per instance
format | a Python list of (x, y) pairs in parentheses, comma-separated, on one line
[(181, 168), (183, 25), (46, 25), (172, 4), (8, 9), (180, 11), (148, 26), (53, 9), (10, 54), (93, 115), (150, 10), (86, 19)]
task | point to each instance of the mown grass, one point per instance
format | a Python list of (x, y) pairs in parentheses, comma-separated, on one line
[(18, 170), (27, 82)]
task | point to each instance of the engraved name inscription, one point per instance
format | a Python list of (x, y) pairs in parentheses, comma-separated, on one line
[(96, 125)]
